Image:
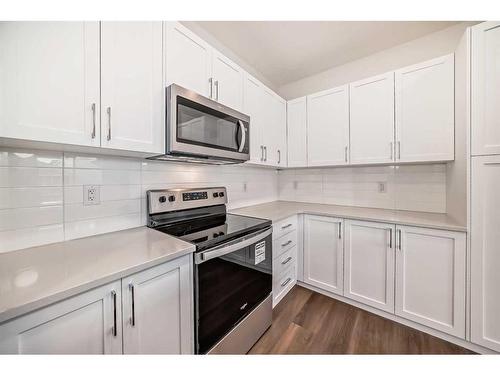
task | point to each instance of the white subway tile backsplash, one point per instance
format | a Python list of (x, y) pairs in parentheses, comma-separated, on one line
[(27, 237), (41, 192), (412, 187)]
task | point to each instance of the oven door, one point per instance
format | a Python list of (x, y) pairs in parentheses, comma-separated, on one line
[(199, 126), (230, 281)]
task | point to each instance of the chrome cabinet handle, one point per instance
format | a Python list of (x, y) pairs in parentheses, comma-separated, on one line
[(392, 151), (210, 87), (217, 90), (286, 281), (399, 150), (93, 120), (265, 153), (345, 154), (286, 260), (109, 123), (243, 136), (261, 153), (115, 327), (132, 293), (286, 226), (390, 238), (340, 230), (279, 156), (286, 243), (398, 233)]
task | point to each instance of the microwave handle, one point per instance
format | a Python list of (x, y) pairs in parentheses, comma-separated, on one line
[(243, 136), (231, 247)]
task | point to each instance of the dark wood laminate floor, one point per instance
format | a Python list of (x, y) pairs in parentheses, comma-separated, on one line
[(306, 322)]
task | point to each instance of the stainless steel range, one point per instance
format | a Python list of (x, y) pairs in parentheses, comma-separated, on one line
[(233, 265)]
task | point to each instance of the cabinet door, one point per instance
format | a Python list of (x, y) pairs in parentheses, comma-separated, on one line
[(274, 129), (485, 254), (369, 263), (297, 132), (188, 59), (430, 278), (228, 81), (485, 88), (252, 106), (49, 82), (323, 253), (425, 111), (157, 310), (133, 93), (372, 120), (328, 127), (89, 323)]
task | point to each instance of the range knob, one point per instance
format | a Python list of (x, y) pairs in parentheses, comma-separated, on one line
[(221, 194), (171, 198), (162, 199), (215, 194)]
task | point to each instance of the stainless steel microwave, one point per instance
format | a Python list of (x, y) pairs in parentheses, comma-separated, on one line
[(202, 130)]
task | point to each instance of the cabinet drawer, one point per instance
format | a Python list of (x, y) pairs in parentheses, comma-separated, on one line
[(284, 261), (284, 243), (283, 284), (284, 226)]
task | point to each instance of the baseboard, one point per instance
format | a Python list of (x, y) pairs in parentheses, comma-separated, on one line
[(454, 340)]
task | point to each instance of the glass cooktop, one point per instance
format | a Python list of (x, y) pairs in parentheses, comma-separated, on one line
[(209, 231)]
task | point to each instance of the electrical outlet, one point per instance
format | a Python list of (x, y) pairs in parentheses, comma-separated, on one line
[(91, 195), (382, 188), (244, 186)]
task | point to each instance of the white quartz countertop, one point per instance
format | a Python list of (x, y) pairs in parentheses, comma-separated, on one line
[(279, 210), (38, 276)]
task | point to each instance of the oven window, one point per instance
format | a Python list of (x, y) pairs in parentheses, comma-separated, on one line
[(200, 125), (228, 288)]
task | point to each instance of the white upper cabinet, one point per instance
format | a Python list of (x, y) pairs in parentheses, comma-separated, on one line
[(89, 323), (132, 89), (485, 254), (372, 120), (425, 118), (49, 82), (297, 132), (227, 81), (188, 59), (430, 278), (328, 127), (252, 106), (485, 109), (274, 130), (157, 310), (369, 263), (323, 253)]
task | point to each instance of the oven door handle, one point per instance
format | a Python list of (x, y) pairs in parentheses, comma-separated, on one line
[(232, 246)]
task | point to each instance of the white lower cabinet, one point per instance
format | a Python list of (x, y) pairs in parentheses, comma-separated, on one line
[(485, 251), (430, 278), (323, 253), (157, 310), (89, 323), (156, 306), (369, 263)]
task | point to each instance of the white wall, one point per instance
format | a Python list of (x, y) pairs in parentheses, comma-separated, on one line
[(41, 192), (421, 49), (409, 187)]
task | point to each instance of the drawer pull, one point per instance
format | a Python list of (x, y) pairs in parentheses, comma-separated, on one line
[(286, 226), (286, 243), (286, 260), (286, 282)]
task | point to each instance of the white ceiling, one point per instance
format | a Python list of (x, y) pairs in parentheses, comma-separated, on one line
[(286, 51)]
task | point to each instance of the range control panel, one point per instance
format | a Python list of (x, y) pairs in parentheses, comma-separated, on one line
[(181, 199)]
